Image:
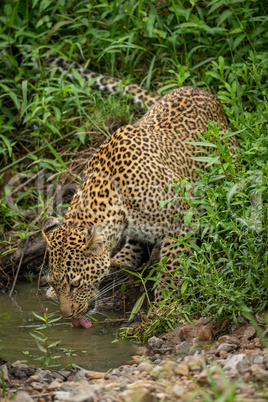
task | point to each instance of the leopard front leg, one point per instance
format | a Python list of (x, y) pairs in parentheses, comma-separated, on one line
[(129, 257), (169, 279)]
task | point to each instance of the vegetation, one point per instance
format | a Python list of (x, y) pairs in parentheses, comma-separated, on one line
[(42, 341), (47, 119)]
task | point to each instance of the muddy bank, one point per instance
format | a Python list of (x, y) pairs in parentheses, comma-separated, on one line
[(178, 365)]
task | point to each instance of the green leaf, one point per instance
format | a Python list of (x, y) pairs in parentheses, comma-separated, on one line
[(54, 320), (24, 95), (202, 144), (137, 306), (39, 317), (132, 273), (38, 338), (53, 344), (231, 192), (188, 217), (210, 160), (57, 156), (81, 134), (184, 287), (164, 203), (41, 347)]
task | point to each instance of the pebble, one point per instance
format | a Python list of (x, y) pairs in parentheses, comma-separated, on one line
[(5, 374), (205, 333), (182, 348), (94, 375), (249, 333), (144, 367), (54, 385), (178, 390), (182, 369), (154, 342), (80, 375), (231, 364), (22, 396), (227, 347), (259, 373), (202, 378), (229, 339)]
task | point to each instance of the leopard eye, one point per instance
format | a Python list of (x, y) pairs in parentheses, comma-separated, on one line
[(74, 284)]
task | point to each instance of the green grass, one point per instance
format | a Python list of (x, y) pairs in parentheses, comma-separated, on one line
[(47, 119)]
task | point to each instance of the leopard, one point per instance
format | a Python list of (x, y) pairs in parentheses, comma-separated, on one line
[(126, 180)]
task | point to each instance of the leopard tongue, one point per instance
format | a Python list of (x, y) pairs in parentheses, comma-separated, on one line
[(81, 322)]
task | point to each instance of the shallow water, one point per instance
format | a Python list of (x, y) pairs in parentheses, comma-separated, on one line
[(89, 348)]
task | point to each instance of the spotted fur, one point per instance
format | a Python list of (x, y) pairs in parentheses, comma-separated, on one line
[(123, 186)]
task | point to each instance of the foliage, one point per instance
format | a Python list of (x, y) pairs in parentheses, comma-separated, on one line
[(46, 116), (42, 341), (227, 270)]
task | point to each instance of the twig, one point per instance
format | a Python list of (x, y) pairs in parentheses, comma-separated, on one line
[(18, 269), (41, 269)]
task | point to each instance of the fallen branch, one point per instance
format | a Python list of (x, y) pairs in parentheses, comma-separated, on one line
[(34, 251)]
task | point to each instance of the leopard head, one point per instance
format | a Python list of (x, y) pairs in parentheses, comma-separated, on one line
[(78, 261)]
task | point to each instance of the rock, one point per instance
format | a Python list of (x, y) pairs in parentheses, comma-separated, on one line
[(182, 348), (202, 379), (80, 375), (181, 369), (178, 391), (186, 333), (62, 396), (154, 342), (21, 371), (249, 333), (61, 374), (223, 353), (144, 367), (86, 393), (38, 386), (22, 396), (227, 347), (205, 333), (258, 359), (229, 339), (116, 372), (231, 364), (259, 373), (54, 385), (5, 373), (33, 378), (44, 375), (196, 358), (94, 375)]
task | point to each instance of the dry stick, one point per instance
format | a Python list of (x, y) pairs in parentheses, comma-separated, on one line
[(41, 269), (18, 269)]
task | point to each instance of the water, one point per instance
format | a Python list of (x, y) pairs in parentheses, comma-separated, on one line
[(88, 348)]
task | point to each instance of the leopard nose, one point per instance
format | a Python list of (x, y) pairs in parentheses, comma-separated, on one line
[(66, 310)]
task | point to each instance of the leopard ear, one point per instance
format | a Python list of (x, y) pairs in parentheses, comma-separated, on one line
[(95, 244), (49, 225)]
